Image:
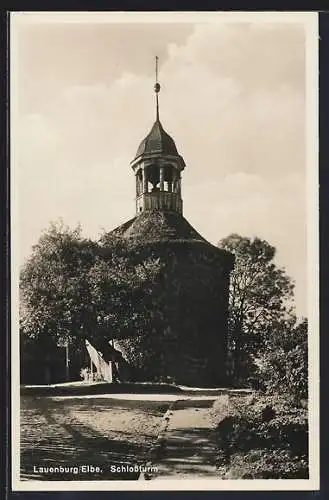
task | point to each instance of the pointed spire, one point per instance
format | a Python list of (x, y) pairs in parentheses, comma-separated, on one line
[(157, 88)]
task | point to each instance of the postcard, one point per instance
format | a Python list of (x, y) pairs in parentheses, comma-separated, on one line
[(164, 236)]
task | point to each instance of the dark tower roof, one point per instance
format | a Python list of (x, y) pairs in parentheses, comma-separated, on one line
[(154, 227), (157, 141), (158, 225)]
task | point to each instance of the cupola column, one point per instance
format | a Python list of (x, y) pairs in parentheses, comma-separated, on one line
[(179, 185), (175, 180), (161, 178), (145, 180)]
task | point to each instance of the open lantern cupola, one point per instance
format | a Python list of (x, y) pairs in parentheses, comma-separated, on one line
[(157, 167)]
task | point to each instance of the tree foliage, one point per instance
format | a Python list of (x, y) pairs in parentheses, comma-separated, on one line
[(122, 284), (282, 365), (260, 294), (54, 288), (72, 288)]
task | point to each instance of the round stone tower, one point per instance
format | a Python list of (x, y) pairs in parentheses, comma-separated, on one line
[(188, 340)]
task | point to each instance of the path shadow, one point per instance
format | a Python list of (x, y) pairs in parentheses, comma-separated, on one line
[(188, 451), (52, 437)]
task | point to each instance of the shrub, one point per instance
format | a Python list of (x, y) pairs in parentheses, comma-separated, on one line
[(282, 366), (261, 429), (265, 464)]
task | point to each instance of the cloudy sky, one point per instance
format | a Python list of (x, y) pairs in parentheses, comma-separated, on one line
[(232, 97)]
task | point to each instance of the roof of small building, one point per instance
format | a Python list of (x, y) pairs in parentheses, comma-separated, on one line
[(157, 141)]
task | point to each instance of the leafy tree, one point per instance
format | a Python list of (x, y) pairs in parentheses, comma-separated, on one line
[(54, 289), (260, 294), (122, 285), (72, 288), (282, 365), (55, 305)]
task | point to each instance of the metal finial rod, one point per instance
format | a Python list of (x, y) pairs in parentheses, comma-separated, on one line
[(157, 87), (156, 69)]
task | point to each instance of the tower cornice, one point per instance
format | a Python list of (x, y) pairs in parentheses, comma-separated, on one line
[(158, 158)]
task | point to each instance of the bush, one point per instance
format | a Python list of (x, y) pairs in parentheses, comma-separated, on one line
[(282, 366), (261, 429), (264, 464)]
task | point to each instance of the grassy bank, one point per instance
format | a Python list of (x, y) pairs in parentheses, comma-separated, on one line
[(261, 437)]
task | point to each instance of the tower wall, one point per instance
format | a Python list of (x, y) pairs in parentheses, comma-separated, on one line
[(187, 336)]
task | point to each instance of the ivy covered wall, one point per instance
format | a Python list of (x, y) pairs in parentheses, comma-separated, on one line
[(185, 340)]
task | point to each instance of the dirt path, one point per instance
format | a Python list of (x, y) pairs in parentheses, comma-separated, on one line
[(186, 446), (72, 432), (173, 432)]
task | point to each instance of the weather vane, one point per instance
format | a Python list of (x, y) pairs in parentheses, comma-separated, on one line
[(157, 87)]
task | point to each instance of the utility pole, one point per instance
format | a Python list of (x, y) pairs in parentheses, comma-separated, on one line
[(91, 378), (67, 360)]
